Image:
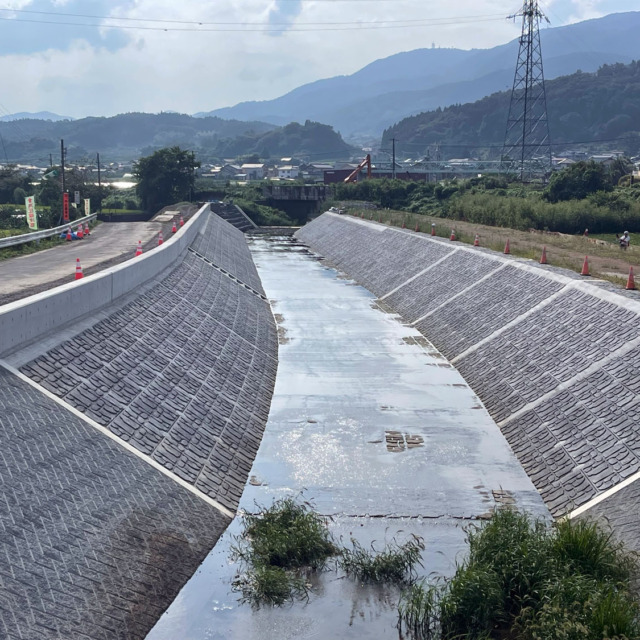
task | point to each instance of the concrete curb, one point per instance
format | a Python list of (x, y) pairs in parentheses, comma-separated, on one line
[(29, 319)]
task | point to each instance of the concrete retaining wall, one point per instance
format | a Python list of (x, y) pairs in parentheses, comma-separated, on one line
[(128, 446), (25, 321), (555, 358)]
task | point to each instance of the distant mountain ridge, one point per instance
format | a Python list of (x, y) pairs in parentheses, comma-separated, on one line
[(384, 92), (128, 136), (39, 115), (122, 137)]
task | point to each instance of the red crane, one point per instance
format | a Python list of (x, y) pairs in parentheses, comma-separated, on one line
[(353, 176)]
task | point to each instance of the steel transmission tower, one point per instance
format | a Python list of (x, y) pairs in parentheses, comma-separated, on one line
[(527, 150)]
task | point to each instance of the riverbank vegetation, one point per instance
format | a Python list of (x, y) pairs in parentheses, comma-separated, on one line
[(585, 195), (522, 579)]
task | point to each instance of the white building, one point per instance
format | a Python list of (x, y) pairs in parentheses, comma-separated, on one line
[(288, 171)]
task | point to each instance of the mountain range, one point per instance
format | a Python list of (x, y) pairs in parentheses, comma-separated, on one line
[(597, 112), (39, 115), (363, 104)]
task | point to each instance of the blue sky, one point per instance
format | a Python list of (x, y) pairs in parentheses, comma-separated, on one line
[(25, 33), (194, 55)]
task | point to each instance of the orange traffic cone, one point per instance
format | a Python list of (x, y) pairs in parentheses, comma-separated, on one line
[(79, 233), (403, 225), (160, 238), (79, 273), (433, 228), (631, 283), (543, 257), (87, 231), (361, 215), (507, 249), (476, 241), (453, 234), (173, 227), (585, 267), (181, 221), (139, 249), (69, 236)]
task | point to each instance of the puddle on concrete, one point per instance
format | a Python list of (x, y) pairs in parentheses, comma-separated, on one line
[(348, 376)]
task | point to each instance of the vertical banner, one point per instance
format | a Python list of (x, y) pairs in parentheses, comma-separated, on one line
[(65, 207), (32, 216), (87, 206), (76, 197)]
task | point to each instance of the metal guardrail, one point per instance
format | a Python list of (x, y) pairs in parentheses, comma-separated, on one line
[(41, 235)]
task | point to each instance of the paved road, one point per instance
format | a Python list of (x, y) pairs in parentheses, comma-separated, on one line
[(354, 389), (106, 243)]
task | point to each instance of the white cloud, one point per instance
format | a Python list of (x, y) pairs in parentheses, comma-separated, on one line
[(198, 71)]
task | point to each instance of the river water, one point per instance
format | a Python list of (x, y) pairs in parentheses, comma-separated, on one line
[(375, 428)]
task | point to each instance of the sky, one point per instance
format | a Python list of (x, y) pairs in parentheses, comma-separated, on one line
[(103, 57)]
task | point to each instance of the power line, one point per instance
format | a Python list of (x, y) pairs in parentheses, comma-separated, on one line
[(201, 23), (271, 27)]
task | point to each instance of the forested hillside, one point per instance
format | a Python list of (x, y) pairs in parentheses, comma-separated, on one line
[(601, 108), (128, 136), (312, 140), (121, 137)]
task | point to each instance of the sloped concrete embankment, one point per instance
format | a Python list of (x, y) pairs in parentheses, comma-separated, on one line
[(555, 358), (129, 431)]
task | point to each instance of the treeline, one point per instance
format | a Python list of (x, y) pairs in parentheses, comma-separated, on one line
[(128, 136), (600, 106), (583, 196), (15, 186)]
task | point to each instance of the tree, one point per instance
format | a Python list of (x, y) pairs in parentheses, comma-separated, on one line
[(165, 177), (578, 181), (11, 178)]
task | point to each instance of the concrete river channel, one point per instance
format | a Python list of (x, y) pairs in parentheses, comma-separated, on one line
[(379, 432)]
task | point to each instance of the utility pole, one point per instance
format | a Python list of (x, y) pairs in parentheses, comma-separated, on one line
[(527, 150), (62, 163), (393, 161), (99, 185), (51, 160), (63, 182)]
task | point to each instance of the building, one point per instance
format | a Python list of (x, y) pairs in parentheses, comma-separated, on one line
[(253, 171), (288, 172)]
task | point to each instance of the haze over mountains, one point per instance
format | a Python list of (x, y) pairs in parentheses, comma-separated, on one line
[(365, 103)]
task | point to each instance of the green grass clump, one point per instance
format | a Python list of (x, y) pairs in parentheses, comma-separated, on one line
[(527, 581), (395, 563), (591, 551), (264, 584), (287, 536), (419, 610)]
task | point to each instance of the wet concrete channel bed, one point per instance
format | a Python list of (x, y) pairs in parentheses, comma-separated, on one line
[(374, 427)]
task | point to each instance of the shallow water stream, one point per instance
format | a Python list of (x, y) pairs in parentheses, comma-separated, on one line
[(378, 431)]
